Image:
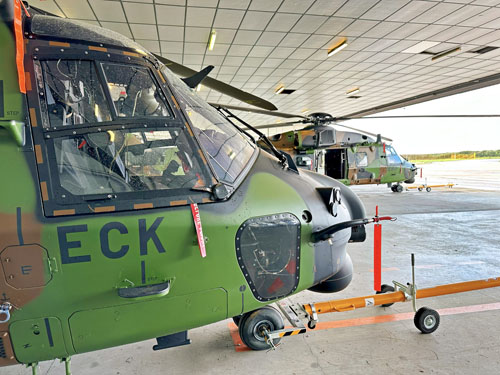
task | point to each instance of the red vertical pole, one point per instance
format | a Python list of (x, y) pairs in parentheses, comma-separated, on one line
[(421, 169), (377, 255)]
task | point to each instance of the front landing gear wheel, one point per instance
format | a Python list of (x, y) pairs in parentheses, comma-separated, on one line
[(426, 320), (237, 319), (253, 326), (386, 289)]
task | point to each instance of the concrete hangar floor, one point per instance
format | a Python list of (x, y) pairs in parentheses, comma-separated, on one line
[(455, 237)]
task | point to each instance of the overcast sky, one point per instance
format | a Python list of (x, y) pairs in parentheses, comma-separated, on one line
[(432, 135)]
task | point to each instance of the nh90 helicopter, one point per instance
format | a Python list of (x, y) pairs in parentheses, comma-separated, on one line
[(131, 209), (352, 157)]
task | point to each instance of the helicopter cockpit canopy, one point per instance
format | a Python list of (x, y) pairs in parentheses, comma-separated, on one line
[(113, 126), (227, 149), (392, 156)]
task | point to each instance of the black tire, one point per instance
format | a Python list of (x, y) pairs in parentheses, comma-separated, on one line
[(241, 324), (393, 188), (419, 189), (386, 289), (426, 320), (237, 319), (399, 188), (253, 323), (428, 189)]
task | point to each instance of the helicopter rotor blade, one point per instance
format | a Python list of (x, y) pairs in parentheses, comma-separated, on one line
[(219, 86), (281, 124), (416, 116), (364, 132), (260, 111)]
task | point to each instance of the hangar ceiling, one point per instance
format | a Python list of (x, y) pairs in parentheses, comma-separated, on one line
[(264, 44)]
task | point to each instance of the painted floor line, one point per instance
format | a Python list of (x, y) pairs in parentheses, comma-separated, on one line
[(239, 346), (432, 266)]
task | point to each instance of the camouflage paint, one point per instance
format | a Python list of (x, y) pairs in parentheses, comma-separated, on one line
[(377, 169), (62, 274)]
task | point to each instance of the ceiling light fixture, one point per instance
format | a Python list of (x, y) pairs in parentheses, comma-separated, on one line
[(340, 45), (353, 91), (211, 42), (305, 110), (445, 53), (198, 88), (279, 89)]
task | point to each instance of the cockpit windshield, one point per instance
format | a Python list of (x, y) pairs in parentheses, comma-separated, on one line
[(74, 94), (110, 132), (133, 91), (392, 156), (228, 150), (117, 161)]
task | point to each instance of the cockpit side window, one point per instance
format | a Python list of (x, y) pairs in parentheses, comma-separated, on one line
[(361, 159), (73, 93), (392, 156), (134, 92), (227, 149)]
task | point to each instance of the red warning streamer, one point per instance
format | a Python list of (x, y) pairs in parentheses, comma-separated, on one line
[(199, 230), (18, 31)]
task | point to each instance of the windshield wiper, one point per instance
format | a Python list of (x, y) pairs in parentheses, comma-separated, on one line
[(99, 197), (281, 157)]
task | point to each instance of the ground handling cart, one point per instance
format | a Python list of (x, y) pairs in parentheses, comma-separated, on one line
[(263, 328)]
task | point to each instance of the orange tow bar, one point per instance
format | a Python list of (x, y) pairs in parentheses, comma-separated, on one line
[(399, 296), (426, 320)]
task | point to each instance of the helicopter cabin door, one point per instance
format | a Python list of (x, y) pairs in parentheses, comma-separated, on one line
[(335, 163), (360, 162)]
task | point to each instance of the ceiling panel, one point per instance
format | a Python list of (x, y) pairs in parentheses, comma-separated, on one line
[(263, 43), (170, 15), (108, 10), (78, 9), (139, 13)]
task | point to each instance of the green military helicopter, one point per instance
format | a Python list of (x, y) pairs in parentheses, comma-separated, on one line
[(131, 209), (352, 157)]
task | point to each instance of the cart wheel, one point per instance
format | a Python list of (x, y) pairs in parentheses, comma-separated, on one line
[(311, 324), (428, 189), (393, 188), (253, 324), (386, 289), (399, 188), (426, 320), (419, 189)]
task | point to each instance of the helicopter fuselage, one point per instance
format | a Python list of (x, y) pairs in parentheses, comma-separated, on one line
[(350, 157), (98, 245)]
